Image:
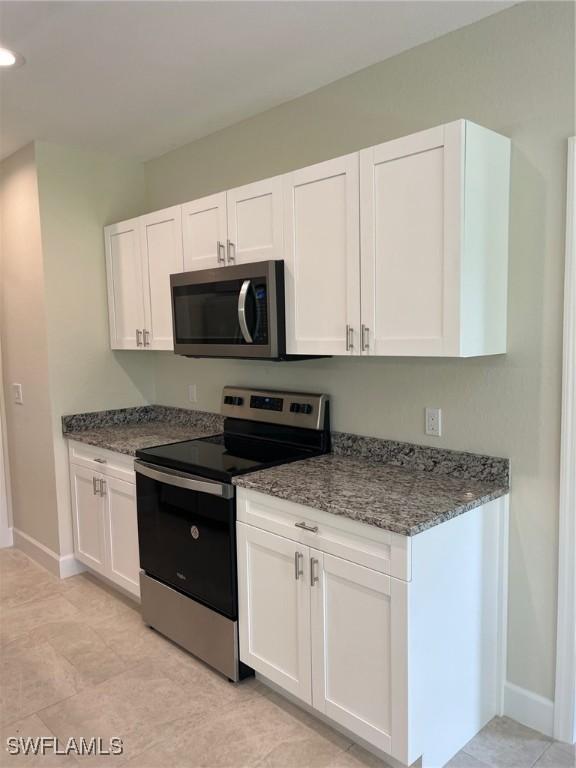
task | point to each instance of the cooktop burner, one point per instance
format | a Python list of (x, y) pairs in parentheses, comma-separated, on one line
[(222, 456)]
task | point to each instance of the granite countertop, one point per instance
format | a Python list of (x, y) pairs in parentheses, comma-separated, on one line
[(401, 487), (126, 430)]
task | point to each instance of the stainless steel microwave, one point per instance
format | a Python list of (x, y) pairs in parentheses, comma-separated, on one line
[(235, 311)]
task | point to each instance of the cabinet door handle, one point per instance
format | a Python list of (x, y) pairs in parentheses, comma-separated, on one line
[(220, 254), (231, 252), (94, 487), (365, 337), (304, 526), (314, 578), (146, 336), (102, 487), (349, 338), (298, 557), (138, 337)]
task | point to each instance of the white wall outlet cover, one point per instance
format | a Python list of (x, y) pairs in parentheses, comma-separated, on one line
[(434, 421), (192, 393), (17, 390)]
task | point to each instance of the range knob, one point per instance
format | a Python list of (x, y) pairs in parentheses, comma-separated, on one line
[(294, 407)]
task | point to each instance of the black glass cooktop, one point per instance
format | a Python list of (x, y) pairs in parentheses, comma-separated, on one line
[(220, 457)]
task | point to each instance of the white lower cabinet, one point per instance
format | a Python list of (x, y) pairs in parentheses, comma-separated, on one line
[(104, 517), (122, 522), (88, 519), (273, 573), (395, 639), (357, 628)]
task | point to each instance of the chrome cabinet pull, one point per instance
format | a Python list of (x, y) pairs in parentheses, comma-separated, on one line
[(231, 252), (311, 528), (94, 481), (146, 336), (365, 338), (349, 338), (220, 254), (138, 337), (314, 578), (298, 558), (102, 487)]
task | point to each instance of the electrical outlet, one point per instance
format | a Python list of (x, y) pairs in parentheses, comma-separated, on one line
[(192, 393), (434, 421), (17, 389)]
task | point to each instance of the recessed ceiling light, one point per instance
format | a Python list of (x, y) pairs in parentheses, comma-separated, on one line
[(10, 58)]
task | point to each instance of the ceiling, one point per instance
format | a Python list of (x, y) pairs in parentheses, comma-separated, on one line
[(141, 78)]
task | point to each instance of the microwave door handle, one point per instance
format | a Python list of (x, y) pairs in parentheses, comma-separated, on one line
[(242, 312)]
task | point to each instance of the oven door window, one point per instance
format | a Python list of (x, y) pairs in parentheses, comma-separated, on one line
[(187, 540), (213, 313)]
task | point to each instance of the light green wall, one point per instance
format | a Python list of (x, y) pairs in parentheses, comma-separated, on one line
[(79, 193), (513, 72), (25, 351)]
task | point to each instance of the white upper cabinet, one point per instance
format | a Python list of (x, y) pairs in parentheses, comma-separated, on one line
[(141, 254), (162, 252), (205, 232), (399, 249), (322, 258), (434, 240), (125, 284), (255, 231)]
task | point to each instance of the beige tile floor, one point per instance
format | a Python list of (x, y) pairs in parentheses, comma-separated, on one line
[(76, 660)]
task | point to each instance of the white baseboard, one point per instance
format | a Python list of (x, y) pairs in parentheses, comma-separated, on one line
[(529, 708), (6, 537), (62, 566)]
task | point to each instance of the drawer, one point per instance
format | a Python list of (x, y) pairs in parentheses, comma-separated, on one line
[(358, 542), (110, 463)]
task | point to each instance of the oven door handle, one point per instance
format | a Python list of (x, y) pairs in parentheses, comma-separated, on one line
[(242, 296), (183, 480)]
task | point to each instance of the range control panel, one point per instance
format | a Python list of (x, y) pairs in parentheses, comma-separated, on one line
[(298, 409)]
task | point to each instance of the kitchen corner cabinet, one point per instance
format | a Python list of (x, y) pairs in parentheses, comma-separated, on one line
[(141, 254), (239, 226), (104, 519), (397, 640)]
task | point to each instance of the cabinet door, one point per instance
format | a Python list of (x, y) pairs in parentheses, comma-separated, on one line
[(321, 210), (88, 518), (359, 650), (122, 533), (411, 234), (255, 230), (162, 251), (204, 232), (274, 608), (125, 284)]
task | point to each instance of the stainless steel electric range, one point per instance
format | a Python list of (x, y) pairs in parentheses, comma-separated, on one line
[(187, 515)]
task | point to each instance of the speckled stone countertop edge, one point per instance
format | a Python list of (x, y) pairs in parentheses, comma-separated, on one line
[(382, 522)]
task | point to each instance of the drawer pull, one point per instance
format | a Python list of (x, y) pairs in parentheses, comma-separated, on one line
[(305, 527)]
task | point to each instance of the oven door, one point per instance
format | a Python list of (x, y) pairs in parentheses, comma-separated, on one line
[(230, 311), (186, 533)]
